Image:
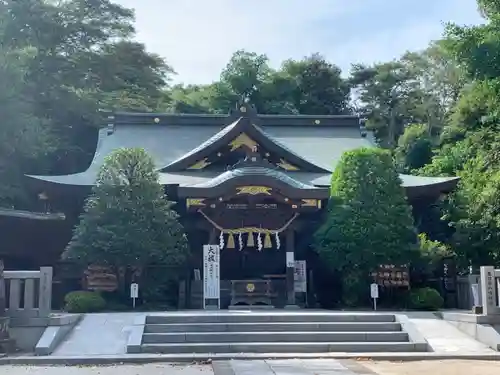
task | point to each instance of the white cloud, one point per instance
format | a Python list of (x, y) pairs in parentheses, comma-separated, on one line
[(197, 37)]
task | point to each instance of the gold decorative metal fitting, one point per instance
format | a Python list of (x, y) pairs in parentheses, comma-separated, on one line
[(317, 122), (243, 109), (156, 120)]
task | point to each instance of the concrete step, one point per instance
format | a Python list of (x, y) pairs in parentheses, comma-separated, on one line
[(245, 337), (261, 317), (275, 327), (281, 347)]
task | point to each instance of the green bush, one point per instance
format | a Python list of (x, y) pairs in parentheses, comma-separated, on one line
[(84, 302), (426, 299)]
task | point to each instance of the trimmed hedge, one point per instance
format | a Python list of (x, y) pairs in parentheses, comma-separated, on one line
[(84, 302)]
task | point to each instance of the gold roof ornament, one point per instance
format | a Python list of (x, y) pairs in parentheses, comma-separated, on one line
[(287, 166), (242, 140), (195, 202), (254, 190), (200, 164)]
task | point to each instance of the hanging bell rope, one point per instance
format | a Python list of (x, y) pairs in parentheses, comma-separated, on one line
[(259, 242), (278, 242)]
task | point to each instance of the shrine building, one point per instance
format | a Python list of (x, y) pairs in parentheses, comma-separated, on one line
[(249, 182)]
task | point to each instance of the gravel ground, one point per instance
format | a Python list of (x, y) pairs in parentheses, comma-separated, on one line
[(450, 367), (156, 369)]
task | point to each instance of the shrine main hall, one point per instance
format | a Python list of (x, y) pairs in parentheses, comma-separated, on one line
[(249, 182)]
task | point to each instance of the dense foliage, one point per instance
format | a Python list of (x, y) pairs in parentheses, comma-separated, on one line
[(369, 221), (84, 302), (426, 299), (127, 221)]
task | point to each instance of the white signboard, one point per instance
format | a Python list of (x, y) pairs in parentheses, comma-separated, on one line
[(211, 272), (300, 276), (134, 290), (374, 291), (374, 294), (290, 259), (475, 294), (134, 293)]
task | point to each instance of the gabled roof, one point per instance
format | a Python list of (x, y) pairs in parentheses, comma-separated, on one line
[(242, 127), (315, 142)]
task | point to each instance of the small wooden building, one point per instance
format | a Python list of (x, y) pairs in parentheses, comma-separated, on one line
[(246, 181)]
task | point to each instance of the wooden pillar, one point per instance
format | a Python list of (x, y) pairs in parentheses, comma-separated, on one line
[(290, 269)]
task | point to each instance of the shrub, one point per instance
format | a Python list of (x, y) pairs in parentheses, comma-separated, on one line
[(84, 302), (426, 299)]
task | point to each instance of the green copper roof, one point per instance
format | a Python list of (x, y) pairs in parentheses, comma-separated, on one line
[(254, 171), (169, 138)]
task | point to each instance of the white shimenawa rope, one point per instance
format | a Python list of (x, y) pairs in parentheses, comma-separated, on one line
[(240, 240), (221, 240)]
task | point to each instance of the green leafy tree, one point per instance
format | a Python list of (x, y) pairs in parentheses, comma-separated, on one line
[(24, 138), (128, 221), (369, 221), (414, 148)]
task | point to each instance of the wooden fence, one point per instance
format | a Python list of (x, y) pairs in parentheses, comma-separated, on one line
[(28, 293)]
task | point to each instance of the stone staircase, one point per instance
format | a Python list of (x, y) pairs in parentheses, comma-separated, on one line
[(272, 332)]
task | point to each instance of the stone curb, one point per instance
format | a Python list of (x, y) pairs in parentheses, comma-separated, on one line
[(179, 358)]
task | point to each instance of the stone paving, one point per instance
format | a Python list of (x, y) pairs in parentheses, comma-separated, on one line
[(290, 367), (98, 334), (443, 337), (157, 369), (234, 367)]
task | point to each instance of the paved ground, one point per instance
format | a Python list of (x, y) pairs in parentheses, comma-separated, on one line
[(275, 367), (158, 369), (451, 367), (443, 337), (270, 367), (98, 334)]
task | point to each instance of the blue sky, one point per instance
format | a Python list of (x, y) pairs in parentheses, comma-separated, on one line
[(197, 37)]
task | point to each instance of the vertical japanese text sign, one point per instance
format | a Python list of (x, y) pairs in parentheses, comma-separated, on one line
[(211, 274)]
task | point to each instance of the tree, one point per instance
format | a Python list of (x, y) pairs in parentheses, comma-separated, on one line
[(84, 60), (414, 148), (127, 221), (369, 221), (24, 139), (389, 94), (316, 86)]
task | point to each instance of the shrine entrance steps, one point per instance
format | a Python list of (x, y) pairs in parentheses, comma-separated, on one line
[(225, 332)]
